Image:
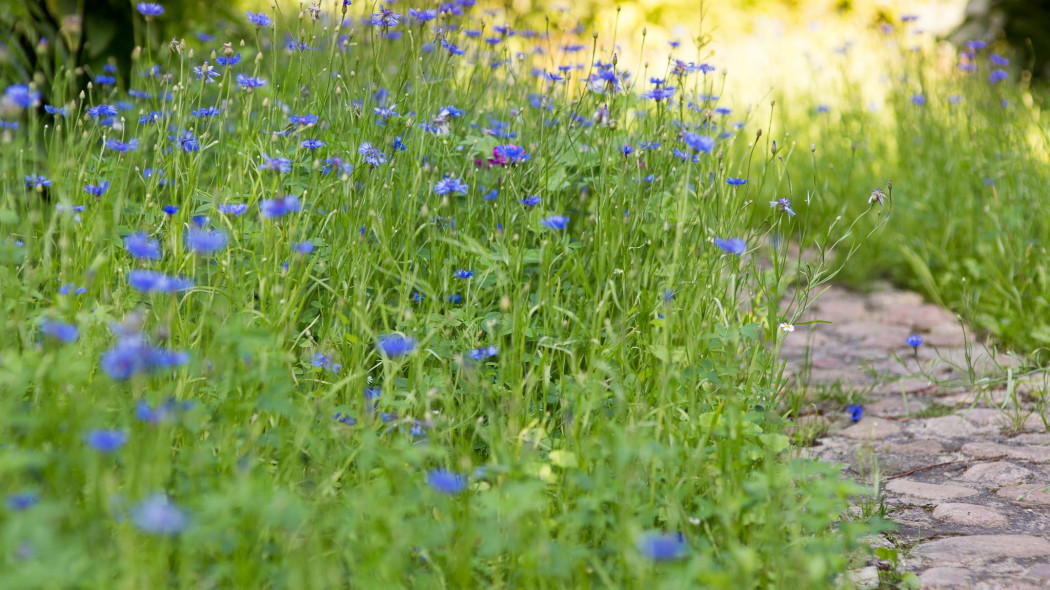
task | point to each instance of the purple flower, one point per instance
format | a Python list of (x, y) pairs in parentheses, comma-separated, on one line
[(395, 345), (149, 9), (21, 95), (106, 441), (60, 331), (37, 180), (372, 155), (205, 241), (260, 20), (446, 482), (855, 412), (485, 352), (97, 189), (699, 143), (326, 362), (133, 355), (661, 547), (102, 110), (235, 209), (149, 281), (143, 247), (918, 100), (555, 222), (311, 144), (249, 82), (449, 185), (732, 245), (122, 146), (279, 207), (22, 501), (164, 412), (157, 515), (784, 204)]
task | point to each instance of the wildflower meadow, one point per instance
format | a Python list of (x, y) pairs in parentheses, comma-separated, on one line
[(443, 296)]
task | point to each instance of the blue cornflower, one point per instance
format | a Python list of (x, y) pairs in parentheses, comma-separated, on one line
[(205, 241), (279, 207), (372, 155), (451, 184), (102, 110), (206, 71), (212, 111), (446, 482), (122, 146), (659, 94), (395, 345), (249, 82), (60, 331), (736, 181), (385, 18), (422, 16), (855, 412), (997, 76), (260, 20), (485, 352), (510, 154), (170, 210), (311, 144), (344, 419), (143, 247), (106, 441), (276, 164), (57, 111), (732, 245), (999, 60), (555, 222), (304, 248), (303, 120), (22, 501), (164, 412), (918, 99), (337, 163), (784, 204), (132, 355), (104, 80), (530, 201), (463, 274), (21, 95), (149, 9), (71, 288), (157, 515), (149, 281), (326, 362), (914, 341), (187, 141), (235, 209), (97, 189), (699, 143), (37, 180), (661, 547), (228, 60)]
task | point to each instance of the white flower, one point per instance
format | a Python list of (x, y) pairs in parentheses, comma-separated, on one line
[(786, 327)]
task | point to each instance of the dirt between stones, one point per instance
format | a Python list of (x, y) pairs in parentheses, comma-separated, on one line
[(964, 469)]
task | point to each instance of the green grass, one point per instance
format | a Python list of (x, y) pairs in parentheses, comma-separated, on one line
[(636, 387)]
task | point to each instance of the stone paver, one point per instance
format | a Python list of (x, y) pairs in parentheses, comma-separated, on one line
[(970, 515), (969, 549), (964, 471)]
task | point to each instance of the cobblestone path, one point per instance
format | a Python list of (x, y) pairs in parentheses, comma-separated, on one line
[(965, 471)]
